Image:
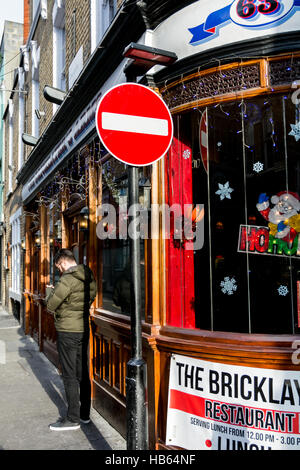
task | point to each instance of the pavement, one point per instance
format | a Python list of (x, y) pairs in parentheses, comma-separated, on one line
[(32, 396)]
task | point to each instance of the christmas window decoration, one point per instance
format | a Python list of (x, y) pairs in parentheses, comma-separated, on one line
[(246, 171)]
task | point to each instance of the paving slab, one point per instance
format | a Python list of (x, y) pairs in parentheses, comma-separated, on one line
[(32, 396)]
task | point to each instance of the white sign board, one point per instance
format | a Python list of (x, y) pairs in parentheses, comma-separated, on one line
[(205, 25), (214, 406)]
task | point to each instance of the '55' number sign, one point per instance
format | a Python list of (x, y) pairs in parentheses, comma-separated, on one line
[(248, 8), (253, 13)]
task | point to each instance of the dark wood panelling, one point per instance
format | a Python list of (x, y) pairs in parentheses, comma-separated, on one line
[(111, 408), (111, 354)]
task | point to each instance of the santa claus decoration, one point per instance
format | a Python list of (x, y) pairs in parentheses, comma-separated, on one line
[(283, 216)]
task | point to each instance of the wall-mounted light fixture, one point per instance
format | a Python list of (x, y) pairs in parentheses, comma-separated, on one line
[(29, 139), (54, 95), (84, 219), (23, 244), (140, 52)]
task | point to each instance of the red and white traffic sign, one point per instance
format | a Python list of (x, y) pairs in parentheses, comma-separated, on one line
[(134, 124)]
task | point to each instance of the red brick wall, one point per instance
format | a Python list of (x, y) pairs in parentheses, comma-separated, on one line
[(26, 19)]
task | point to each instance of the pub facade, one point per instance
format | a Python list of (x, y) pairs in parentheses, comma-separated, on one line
[(222, 313)]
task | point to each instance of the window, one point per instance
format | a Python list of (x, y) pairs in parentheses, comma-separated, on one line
[(35, 53), (16, 251), (63, 60), (59, 46), (10, 145), (21, 119), (35, 6), (54, 240), (102, 14), (246, 172), (36, 267), (116, 265)]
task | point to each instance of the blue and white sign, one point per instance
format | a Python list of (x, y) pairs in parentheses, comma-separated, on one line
[(205, 25), (247, 14)]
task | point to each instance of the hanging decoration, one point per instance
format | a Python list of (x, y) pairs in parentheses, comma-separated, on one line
[(65, 182), (281, 237), (258, 240), (111, 184), (295, 131), (35, 218), (283, 290), (283, 217), (186, 154), (224, 191), (228, 285), (258, 167), (47, 201)]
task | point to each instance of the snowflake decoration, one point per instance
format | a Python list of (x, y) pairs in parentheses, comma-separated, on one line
[(283, 290), (295, 131), (186, 154), (224, 191), (228, 285), (258, 167)]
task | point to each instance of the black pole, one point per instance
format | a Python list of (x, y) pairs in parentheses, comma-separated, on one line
[(136, 366)]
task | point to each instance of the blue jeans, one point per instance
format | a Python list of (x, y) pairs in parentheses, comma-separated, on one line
[(72, 351)]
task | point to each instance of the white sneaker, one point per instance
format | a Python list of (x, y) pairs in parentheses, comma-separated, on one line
[(64, 425)]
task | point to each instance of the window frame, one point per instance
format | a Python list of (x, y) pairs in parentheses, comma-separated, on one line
[(176, 316)]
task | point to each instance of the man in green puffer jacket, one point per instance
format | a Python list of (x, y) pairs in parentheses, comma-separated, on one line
[(70, 301)]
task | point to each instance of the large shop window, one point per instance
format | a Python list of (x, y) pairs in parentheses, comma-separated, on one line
[(246, 172), (116, 264)]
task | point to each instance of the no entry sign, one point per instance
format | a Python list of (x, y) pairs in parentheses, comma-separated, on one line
[(134, 124)]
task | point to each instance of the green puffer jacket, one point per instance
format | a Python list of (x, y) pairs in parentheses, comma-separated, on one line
[(71, 298)]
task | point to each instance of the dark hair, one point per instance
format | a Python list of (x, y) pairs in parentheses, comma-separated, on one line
[(64, 254)]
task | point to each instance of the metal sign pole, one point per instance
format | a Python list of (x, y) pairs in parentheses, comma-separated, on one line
[(136, 367)]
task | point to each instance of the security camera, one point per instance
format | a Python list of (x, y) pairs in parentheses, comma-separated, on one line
[(39, 113)]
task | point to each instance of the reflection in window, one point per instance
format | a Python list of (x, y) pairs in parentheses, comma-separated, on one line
[(248, 272), (116, 256), (55, 241)]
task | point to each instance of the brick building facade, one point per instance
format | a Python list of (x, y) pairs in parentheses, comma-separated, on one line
[(54, 46), (9, 152), (235, 150), (74, 51)]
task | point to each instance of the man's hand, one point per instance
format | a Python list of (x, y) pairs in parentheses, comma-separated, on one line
[(49, 291)]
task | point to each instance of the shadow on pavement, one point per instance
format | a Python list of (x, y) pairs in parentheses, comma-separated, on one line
[(52, 383)]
